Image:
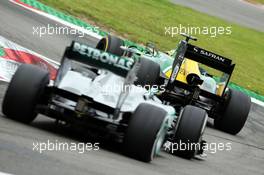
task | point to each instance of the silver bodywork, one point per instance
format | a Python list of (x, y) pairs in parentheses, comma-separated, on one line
[(106, 89)]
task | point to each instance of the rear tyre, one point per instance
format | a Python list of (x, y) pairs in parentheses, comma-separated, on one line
[(145, 133), (233, 118), (148, 73), (188, 131), (23, 93), (111, 44)]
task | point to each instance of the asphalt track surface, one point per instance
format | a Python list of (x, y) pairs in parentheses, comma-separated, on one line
[(236, 11), (16, 139)]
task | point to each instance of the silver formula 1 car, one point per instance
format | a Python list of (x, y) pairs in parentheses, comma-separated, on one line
[(94, 89), (106, 94)]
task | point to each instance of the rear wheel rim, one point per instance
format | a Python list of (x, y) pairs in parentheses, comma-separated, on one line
[(160, 137)]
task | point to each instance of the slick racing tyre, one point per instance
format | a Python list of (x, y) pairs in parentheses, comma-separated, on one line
[(188, 132), (148, 73), (235, 113), (23, 93), (146, 132), (111, 44)]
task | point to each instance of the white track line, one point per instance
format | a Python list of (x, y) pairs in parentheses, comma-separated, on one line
[(54, 18), (11, 45), (258, 102), (2, 173)]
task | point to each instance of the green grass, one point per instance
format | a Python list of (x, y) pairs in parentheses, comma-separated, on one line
[(256, 1), (260, 1), (145, 20)]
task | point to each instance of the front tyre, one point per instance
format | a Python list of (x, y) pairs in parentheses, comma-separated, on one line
[(148, 73), (23, 93), (111, 44)]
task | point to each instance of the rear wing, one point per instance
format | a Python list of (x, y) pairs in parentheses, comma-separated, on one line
[(99, 59), (213, 60), (210, 59)]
